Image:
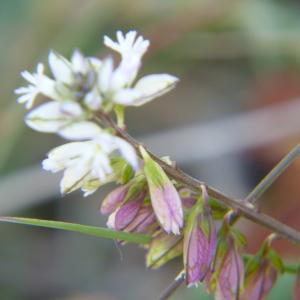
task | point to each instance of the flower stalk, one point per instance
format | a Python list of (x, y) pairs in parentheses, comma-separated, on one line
[(176, 213)]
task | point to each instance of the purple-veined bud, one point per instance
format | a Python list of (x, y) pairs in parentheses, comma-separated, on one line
[(200, 240), (230, 273), (163, 248), (260, 281), (165, 199), (125, 213), (144, 222), (114, 199)]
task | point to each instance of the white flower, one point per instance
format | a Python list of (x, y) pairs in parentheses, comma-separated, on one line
[(38, 84), (73, 80), (131, 50), (116, 84), (77, 79), (65, 118), (86, 164)]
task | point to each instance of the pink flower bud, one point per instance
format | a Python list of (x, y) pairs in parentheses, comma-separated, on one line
[(144, 222), (125, 213), (199, 248), (230, 278), (260, 282), (114, 199), (165, 199)]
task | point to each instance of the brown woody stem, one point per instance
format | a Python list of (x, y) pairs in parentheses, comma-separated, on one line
[(242, 207)]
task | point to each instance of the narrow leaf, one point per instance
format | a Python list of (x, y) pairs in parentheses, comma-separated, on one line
[(84, 229)]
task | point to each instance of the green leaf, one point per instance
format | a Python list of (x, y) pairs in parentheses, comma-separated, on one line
[(84, 229)]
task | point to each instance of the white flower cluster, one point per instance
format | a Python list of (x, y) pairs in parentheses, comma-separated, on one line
[(78, 89)]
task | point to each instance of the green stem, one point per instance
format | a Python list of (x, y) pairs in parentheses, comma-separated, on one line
[(269, 179)]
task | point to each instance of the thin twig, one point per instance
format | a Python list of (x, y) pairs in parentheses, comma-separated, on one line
[(241, 207), (169, 291), (273, 175)]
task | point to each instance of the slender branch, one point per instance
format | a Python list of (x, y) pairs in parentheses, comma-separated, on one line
[(273, 175), (241, 207), (266, 182), (169, 291)]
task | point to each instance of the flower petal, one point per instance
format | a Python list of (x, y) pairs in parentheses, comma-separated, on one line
[(93, 99), (47, 117), (74, 177), (79, 62), (66, 155), (146, 89), (80, 131), (105, 75), (53, 116), (60, 67), (127, 151)]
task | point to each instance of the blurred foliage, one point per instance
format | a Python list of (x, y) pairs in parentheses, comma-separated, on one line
[(214, 46)]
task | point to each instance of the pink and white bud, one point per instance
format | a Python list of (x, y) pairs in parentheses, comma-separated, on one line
[(144, 222), (165, 199), (125, 213), (114, 199)]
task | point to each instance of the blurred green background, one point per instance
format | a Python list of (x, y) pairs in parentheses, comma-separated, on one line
[(234, 114)]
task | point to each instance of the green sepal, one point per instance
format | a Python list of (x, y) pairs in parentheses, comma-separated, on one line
[(252, 265), (120, 114), (153, 171), (222, 247), (162, 249), (192, 216), (218, 210), (205, 226), (123, 172), (127, 173), (276, 260), (137, 185), (239, 237)]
